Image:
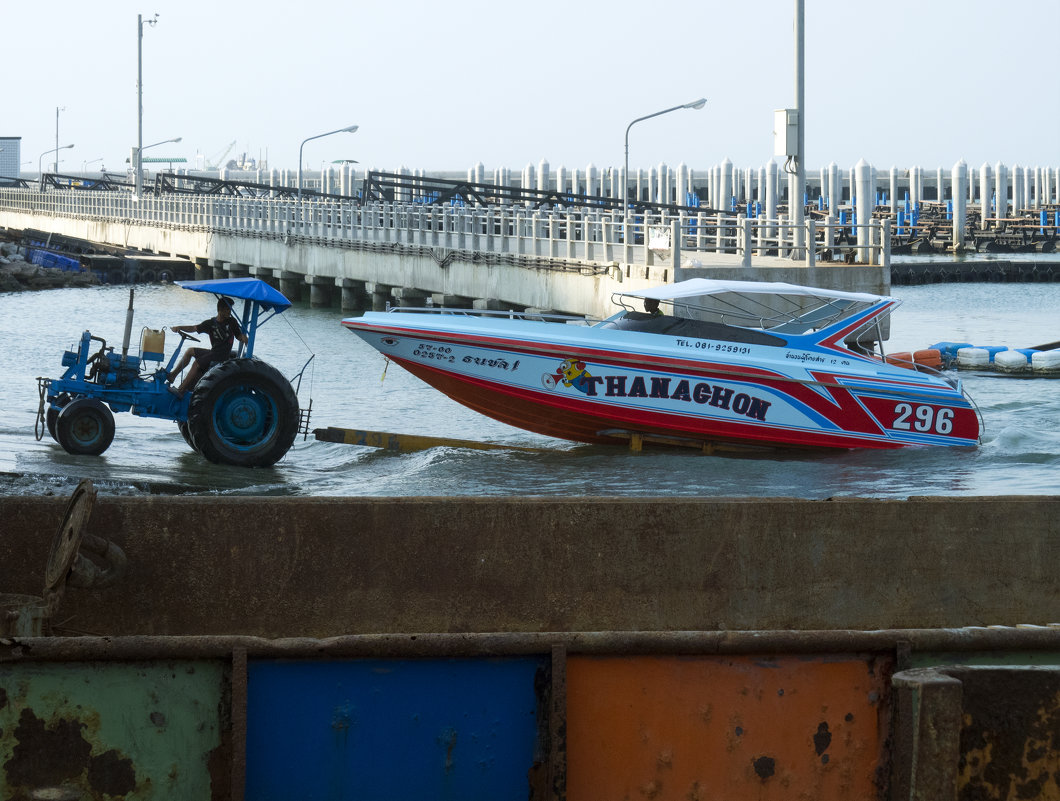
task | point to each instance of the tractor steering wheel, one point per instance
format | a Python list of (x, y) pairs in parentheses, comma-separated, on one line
[(184, 336)]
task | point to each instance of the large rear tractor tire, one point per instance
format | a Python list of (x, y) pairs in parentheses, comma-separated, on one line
[(182, 426), (243, 412), (85, 427)]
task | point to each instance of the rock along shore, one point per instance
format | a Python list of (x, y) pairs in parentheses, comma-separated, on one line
[(17, 274)]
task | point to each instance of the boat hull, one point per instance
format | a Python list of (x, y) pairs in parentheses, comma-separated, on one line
[(581, 384)]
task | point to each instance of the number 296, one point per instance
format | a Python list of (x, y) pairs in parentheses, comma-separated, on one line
[(923, 418)]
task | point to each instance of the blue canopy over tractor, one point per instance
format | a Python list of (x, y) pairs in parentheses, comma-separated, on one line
[(244, 288)]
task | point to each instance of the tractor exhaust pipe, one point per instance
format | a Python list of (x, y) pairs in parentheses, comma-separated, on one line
[(128, 327)]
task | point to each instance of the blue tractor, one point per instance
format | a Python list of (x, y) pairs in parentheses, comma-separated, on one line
[(242, 411)]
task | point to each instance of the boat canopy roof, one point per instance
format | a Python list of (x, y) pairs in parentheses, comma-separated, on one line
[(253, 289), (695, 287)]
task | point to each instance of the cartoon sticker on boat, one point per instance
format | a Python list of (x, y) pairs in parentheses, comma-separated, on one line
[(571, 373)]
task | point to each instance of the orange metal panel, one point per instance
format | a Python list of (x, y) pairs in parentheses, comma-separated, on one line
[(689, 728)]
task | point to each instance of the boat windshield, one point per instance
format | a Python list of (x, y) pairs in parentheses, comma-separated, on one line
[(753, 316)]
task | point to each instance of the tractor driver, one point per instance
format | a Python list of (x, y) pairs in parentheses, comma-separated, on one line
[(223, 330)]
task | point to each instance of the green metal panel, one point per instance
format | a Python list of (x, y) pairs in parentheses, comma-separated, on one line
[(134, 730)]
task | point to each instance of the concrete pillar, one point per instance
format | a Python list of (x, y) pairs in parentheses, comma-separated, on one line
[(408, 297), (561, 178), (380, 295), (726, 185), (542, 176), (682, 185), (591, 187), (865, 201), (1001, 190), (353, 294), (894, 189), (916, 186), (940, 186), (236, 270), (984, 194), (291, 285), (835, 196), (665, 184), (771, 195), (1019, 197), (528, 177), (320, 290), (266, 274), (959, 177), (218, 268)]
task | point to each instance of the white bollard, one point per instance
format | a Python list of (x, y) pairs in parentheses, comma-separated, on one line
[(771, 196), (894, 190), (527, 181), (1019, 200), (663, 195), (542, 175), (682, 184), (864, 202), (959, 177), (835, 199), (726, 186), (1001, 190), (561, 179), (984, 194), (940, 186), (591, 188)]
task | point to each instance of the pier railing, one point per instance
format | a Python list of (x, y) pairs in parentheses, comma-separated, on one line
[(599, 237)]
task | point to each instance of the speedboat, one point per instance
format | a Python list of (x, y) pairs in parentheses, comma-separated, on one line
[(714, 362)]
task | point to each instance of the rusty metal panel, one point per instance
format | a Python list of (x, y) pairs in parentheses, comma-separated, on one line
[(689, 728), (428, 728), (1010, 738), (100, 730)]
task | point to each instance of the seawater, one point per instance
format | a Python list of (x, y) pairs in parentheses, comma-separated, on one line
[(1019, 454)]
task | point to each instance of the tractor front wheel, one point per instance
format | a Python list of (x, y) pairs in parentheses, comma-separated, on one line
[(85, 427), (52, 415), (243, 412)]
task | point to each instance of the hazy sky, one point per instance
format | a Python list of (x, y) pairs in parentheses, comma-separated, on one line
[(444, 84)]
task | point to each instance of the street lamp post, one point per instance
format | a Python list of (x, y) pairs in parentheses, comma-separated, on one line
[(695, 104), (40, 163), (57, 110), (84, 165), (348, 129), (138, 179), (139, 159)]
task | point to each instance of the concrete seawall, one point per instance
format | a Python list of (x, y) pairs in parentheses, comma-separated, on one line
[(323, 567)]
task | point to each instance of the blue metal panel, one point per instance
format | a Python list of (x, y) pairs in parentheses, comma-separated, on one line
[(375, 729)]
